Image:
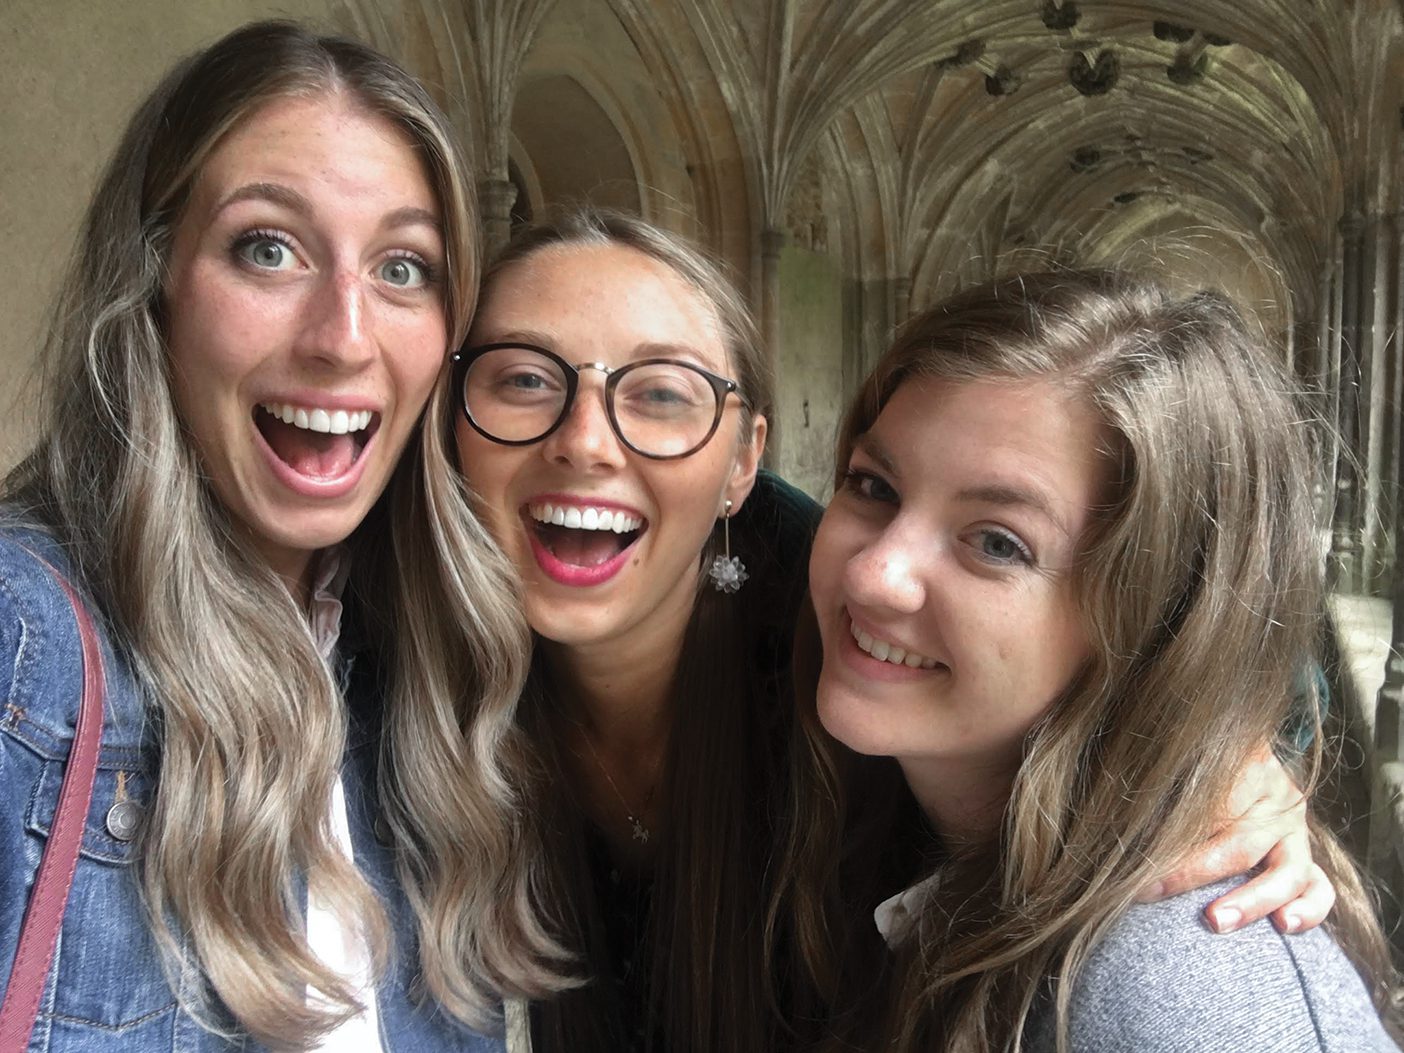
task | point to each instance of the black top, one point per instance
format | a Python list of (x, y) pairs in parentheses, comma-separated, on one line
[(772, 535)]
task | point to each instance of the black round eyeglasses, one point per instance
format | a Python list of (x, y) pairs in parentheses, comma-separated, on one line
[(518, 394)]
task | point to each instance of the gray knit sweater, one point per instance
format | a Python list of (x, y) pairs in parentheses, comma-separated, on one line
[(1161, 982)]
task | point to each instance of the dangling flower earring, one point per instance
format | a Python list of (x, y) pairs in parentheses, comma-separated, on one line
[(727, 572)]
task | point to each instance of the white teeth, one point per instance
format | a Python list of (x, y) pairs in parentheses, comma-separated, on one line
[(584, 518), (334, 422), (889, 652)]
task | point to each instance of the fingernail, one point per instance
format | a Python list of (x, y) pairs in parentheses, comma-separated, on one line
[(1225, 919), (1291, 923)]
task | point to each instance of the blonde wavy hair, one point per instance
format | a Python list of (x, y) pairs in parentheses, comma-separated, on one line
[(1201, 588), (251, 736)]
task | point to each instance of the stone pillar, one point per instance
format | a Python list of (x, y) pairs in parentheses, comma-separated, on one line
[(496, 198), (1389, 707), (902, 299), (1326, 330), (1323, 377), (1345, 529), (1382, 437), (772, 241)]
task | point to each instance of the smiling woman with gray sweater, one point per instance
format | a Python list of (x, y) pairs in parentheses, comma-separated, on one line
[(1078, 508)]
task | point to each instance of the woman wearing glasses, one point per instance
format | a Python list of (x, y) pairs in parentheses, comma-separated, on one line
[(615, 416), (614, 412)]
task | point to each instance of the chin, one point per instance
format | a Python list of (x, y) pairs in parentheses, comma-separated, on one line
[(553, 621), (850, 721), (311, 533)]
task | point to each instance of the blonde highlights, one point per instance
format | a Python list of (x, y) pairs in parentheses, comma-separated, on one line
[(230, 672)]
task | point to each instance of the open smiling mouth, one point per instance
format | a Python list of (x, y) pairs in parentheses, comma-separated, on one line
[(584, 536), (316, 443)]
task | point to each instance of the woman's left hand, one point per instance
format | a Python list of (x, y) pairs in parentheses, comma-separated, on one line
[(1267, 826)]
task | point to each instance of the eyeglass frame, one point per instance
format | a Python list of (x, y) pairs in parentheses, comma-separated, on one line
[(462, 360)]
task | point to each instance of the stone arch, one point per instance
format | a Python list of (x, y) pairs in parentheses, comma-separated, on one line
[(573, 145), (635, 134)]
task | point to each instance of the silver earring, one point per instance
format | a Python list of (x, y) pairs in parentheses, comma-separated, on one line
[(727, 572)]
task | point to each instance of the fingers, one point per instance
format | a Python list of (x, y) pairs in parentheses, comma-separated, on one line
[(1268, 829), (1234, 850), (1311, 907), (1268, 835), (1288, 877)]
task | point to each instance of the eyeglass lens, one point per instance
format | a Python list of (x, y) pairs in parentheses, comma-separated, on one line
[(660, 409)]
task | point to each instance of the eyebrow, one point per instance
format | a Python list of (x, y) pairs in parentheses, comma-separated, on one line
[(670, 350), (875, 449), (1013, 496), (411, 216), (987, 493), (277, 193), (647, 349), (288, 198)]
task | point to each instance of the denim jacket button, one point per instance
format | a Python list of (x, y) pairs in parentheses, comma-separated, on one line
[(123, 820)]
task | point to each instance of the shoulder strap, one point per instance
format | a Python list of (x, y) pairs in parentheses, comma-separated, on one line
[(44, 914)]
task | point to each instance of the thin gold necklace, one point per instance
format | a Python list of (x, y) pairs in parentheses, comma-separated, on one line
[(641, 831)]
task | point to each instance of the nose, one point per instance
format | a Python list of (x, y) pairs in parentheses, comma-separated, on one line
[(336, 326), (585, 439), (889, 572)]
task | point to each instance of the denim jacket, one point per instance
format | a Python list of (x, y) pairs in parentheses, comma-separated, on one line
[(107, 990)]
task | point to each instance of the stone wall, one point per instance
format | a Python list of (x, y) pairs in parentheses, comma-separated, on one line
[(71, 72)]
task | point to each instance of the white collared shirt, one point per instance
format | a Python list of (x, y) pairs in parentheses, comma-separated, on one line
[(895, 916), (342, 948)]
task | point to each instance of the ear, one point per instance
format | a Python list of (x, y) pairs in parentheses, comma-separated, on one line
[(748, 458)]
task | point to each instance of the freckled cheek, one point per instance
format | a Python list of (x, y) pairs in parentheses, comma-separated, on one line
[(418, 345), (224, 331)]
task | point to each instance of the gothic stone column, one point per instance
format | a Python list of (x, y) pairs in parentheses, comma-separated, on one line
[(1345, 530), (772, 241), (496, 198)]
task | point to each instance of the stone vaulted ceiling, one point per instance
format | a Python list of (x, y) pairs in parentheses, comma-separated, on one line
[(1080, 129), (962, 136)]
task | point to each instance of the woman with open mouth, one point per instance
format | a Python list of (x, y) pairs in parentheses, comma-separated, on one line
[(1063, 591), (310, 648), (613, 401)]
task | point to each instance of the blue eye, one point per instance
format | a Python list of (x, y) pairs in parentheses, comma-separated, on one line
[(265, 250), (870, 487), (405, 272), (999, 547)]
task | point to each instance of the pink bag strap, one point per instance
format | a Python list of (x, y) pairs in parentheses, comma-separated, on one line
[(44, 914)]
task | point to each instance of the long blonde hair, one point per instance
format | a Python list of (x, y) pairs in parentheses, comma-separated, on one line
[(225, 657), (1201, 590)]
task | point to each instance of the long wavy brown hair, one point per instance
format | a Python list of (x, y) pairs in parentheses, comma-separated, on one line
[(1201, 589), (251, 736), (715, 977)]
